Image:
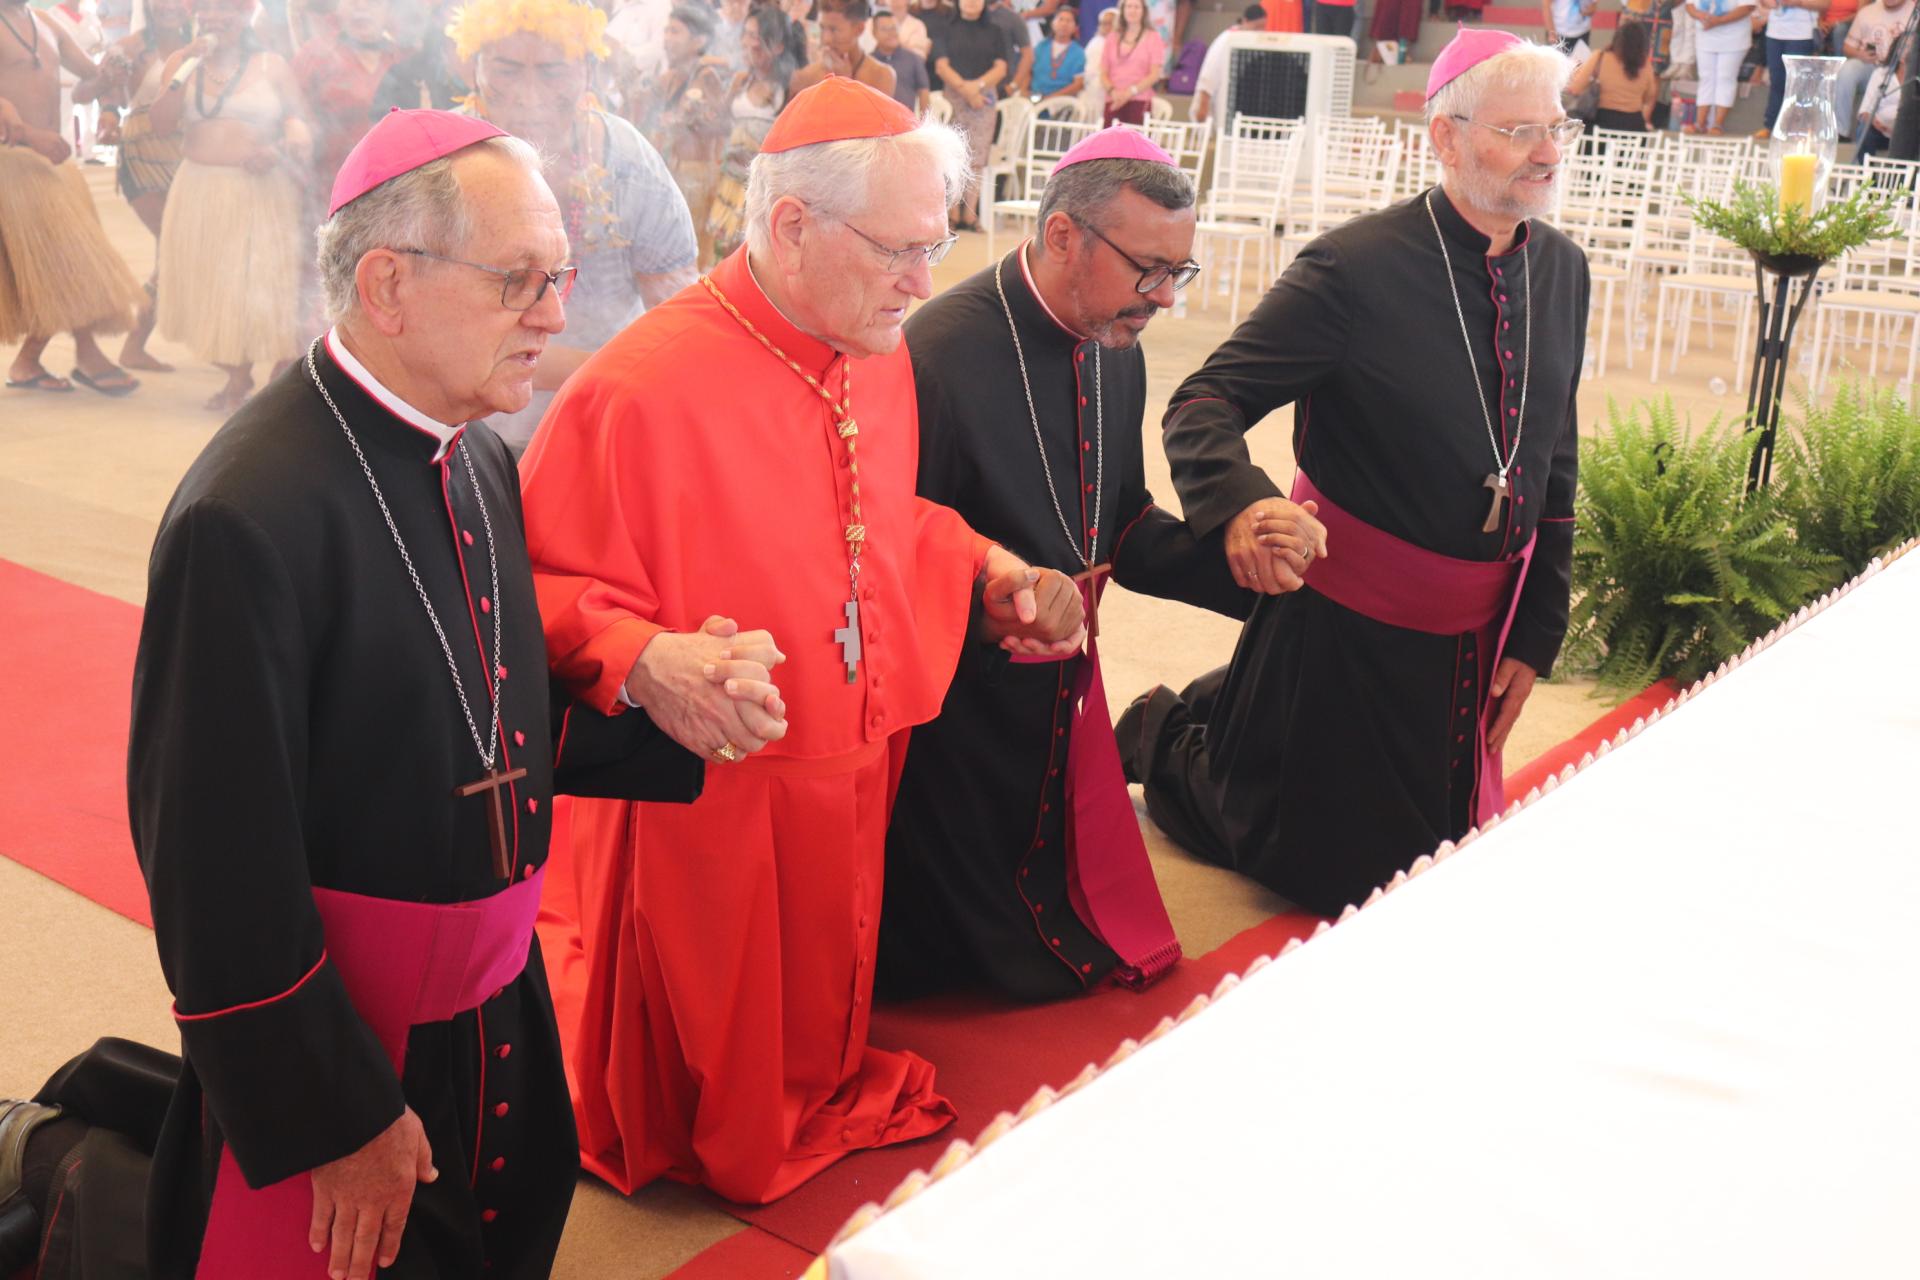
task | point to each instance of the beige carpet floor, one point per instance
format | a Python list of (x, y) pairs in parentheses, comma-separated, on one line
[(83, 480)]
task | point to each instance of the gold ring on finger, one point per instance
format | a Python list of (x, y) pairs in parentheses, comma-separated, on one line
[(727, 753)]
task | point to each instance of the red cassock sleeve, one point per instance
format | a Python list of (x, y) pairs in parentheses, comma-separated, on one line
[(684, 471), (597, 600)]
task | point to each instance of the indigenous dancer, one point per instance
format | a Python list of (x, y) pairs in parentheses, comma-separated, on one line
[(759, 92), (632, 236), (58, 273), (231, 240), (148, 159)]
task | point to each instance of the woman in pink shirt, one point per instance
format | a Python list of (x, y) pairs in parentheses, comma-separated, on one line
[(1135, 61)]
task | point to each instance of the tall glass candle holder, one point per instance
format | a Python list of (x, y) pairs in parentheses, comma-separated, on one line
[(1806, 134)]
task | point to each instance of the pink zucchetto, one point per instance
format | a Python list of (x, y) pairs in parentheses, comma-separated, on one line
[(1467, 50), (1115, 143), (401, 143)]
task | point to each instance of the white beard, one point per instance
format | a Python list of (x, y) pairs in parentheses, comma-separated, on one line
[(1504, 198)]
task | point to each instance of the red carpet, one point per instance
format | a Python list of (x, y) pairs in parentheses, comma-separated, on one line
[(65, 697), (752, 1253), (1639, 707), (64, 692)]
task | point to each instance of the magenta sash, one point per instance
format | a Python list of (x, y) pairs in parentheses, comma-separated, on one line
[(1109, 876), (403, 964), (1391, 580)]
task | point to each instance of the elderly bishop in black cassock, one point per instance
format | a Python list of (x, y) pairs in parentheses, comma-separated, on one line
[(1037, 360), (342, 767), (1432, 353)]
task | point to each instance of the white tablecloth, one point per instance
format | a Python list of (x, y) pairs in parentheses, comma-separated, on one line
[(1664, 1022)]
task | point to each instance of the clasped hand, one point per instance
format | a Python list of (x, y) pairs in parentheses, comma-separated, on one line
[(711, 688), (1036, 612), (1271, 544)]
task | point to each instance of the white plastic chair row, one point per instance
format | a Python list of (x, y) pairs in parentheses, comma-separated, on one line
[(1253, 177), (1714, 272), (1878, 299), (1041, 144)]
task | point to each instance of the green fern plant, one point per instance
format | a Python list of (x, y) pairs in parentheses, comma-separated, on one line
[(1675, 568), (1752, 218), (1850, 476)]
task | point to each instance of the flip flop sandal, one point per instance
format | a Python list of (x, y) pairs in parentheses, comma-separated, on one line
[(106, 385), (42, 381)]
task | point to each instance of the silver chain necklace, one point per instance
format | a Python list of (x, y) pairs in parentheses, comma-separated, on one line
[(490, 750), (1088, 557), (1497, 481)]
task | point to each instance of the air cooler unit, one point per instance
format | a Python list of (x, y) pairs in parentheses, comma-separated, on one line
[(1285, 76)]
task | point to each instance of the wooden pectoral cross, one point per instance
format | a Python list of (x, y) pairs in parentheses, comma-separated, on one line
[(1090, 581), (496, 814), (1497, 483), (849, 639)]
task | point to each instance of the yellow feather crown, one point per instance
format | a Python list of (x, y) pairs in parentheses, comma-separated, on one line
[(578, 29)]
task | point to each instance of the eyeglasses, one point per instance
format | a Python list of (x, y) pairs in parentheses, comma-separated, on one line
[(1525, 137), (901, 261), (1151, 278), (521, 288)]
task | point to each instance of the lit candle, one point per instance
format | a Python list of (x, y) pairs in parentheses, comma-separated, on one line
[(1796, 180)]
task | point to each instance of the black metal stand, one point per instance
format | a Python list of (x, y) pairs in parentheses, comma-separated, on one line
[(1778, 318)]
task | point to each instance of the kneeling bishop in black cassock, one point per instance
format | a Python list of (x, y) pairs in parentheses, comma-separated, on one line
[(342, 769), (1014, 858), (1432, 352)]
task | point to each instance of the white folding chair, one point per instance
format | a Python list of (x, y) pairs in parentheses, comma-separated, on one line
[(1354, 172), (1582, 207), (1253, 175), (1046, 142), (1063, 107), (1419, 163), (1184, 140), (1878, 300), (1008, 147), (1715, 272)]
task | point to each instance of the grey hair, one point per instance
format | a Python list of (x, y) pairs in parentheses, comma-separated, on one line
[(419, 209), (836, 179), (1083, 191), (1527, 66)]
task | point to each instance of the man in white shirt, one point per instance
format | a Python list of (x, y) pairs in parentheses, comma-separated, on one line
[(1210, 87), (1869, 43), (1878, 110)]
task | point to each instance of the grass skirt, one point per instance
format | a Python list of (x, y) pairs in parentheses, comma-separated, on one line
[(231, 243), (57, 270)]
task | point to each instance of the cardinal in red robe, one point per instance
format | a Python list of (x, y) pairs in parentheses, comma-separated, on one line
[(748, 450)]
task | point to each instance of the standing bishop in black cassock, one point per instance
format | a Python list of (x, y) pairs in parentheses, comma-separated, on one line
[(1037, 358), (342, 769), (1432, 352)]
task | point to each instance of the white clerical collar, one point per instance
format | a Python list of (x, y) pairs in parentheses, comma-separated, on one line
[(1041, 298), (399, 408)]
